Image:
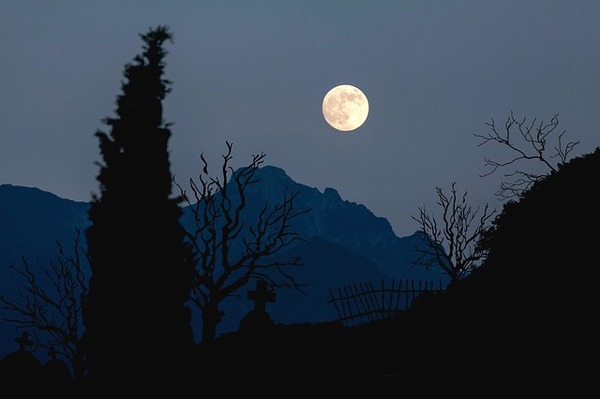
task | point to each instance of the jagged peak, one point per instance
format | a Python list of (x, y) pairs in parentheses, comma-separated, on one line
[(331, 192), (270, 172), (273, 169)]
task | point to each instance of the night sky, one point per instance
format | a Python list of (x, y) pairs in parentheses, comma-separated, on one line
[(255, 73)]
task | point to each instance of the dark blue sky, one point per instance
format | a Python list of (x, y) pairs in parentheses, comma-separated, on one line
[(255, 73)]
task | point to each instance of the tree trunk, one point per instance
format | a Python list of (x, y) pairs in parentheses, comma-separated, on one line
[(211, 317), (78, 366)]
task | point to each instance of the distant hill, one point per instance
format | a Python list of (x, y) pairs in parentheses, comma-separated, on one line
[(345, 243), (32, 220), (31, 223)]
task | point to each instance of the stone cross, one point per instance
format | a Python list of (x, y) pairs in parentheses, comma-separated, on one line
[(261, 296), (23, 341)]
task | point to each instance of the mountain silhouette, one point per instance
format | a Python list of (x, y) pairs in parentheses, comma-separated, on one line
[(342, 222), (32, 221), (345, 243)]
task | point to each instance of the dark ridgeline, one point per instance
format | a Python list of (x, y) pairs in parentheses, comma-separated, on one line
[(526, 321), (528, 318), (138, 330)]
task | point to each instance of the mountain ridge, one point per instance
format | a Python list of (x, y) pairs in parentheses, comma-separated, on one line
[(345, 243), (346, 223)]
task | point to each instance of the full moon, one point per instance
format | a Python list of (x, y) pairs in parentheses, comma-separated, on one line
[(345, 107)]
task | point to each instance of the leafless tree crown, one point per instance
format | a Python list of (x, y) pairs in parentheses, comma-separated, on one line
[(451, 241), (231, 249), (51, 302), (526, 141)]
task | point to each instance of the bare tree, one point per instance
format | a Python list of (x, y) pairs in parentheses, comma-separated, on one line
[(51, 303), (525, 141), (451, 243), (231, 249)]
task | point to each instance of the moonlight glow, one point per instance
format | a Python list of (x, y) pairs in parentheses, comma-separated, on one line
[(345, 107)]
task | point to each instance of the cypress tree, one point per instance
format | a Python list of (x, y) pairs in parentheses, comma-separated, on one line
[(138, 327)]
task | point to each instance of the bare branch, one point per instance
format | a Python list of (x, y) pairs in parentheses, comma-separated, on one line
[(529, 142), (453, 245), (231, 247), (53, 305)]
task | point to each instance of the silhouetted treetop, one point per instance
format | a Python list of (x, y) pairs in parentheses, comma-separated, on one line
[(140, 113), (142, 269), (145, 77)]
